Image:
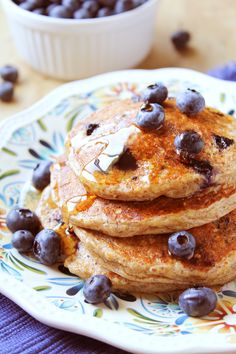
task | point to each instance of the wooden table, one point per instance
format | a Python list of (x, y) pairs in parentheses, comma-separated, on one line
[(211, 23)]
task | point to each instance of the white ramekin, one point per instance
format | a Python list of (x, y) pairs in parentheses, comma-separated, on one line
[(69, 49)]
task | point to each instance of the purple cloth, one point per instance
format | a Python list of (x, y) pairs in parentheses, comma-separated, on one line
[(21, 334), (225, 72)]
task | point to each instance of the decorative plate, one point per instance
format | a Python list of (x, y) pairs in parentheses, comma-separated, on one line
[(153, 324)]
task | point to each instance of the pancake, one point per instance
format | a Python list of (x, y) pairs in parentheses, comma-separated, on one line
[(84, 265), (50, 217), (125, 219), (120, 161), (48, 212), (146, 259)]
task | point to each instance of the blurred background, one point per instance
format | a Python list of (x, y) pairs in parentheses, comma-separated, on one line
[(211, 24)]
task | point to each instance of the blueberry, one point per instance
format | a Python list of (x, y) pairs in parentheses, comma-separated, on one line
[(9, 73), (82, 14), (97, 289), (189, 142), (225, 72), (107, 3), (47, 246), (41, 175), (6, 91), (156, 93), (50, 8), (23, 219), (198, 302), (190, 102), (23, 240), (31, 5), (72, 5), (182, 244), (91, 6), (27, 5), (124, 5), (40, 11), (180, 39), (104, 11), (151, 116), (91, 127), (60, 11)]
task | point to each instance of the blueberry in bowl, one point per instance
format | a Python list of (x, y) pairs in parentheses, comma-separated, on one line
[(105, 31)]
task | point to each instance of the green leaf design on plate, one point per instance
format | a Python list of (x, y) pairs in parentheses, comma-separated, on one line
[(42, 125), (71, 121), (9, 152), (222, 97), (98, 313), (140, 316), (9, 173), (26, 266), (10, 257), (42, 287)]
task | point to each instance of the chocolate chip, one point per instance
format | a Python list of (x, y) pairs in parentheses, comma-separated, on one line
[(222, 142), (126, 161), (90, 128)]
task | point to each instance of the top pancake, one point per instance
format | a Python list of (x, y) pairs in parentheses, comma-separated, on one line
[(158, 169)]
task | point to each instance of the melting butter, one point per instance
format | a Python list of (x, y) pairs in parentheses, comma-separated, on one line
[(113, 147)]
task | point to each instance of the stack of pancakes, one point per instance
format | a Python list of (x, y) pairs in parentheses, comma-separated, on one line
[(122, 191)]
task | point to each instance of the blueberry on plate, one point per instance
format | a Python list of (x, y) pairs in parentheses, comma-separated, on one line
[(9, 73), (155, 93), (23, 240), (23, 219), (189, 142), (182, 244), (151, 116), (97, 289), (198, 302), (47, 246), (6, 91), (41, 175), (190, 102)]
